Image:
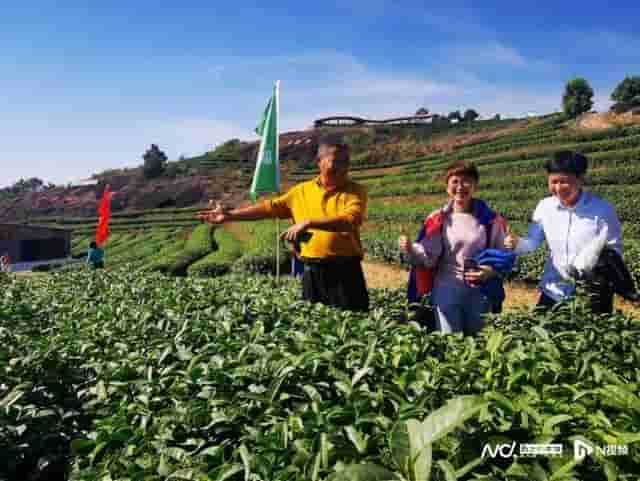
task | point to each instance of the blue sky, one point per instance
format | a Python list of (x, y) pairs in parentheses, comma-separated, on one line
[(86, 88)]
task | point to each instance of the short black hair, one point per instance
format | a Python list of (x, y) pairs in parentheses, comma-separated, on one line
[(93, 245), (567, 162)]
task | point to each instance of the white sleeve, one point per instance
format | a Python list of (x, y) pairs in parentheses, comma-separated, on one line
[(535, 236)]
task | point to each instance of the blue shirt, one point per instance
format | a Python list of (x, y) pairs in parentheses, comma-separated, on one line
[(95, 255)]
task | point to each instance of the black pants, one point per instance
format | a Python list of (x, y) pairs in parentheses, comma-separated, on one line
[(600, 295), (338, 283), (600, 301)]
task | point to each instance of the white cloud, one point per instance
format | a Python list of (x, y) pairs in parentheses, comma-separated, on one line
[(366, 91), (487, 54), (505, 55), (192, 136)]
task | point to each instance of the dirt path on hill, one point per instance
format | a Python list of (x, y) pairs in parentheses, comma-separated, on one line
[(605, 120), (379, 275)]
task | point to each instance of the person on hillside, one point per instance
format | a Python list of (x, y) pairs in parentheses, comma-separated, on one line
[(5, 263), (95, 256), (445, 256), (330, 208), (568, 221)]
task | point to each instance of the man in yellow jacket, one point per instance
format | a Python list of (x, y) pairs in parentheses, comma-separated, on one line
[(330, 207)]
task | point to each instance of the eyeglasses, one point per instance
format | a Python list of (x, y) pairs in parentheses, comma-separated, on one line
[(464, 181)]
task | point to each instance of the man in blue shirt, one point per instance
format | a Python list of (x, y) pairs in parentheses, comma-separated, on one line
[(95, 256)]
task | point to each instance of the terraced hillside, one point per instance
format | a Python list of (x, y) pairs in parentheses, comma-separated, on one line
[(509, 154), (128, 374), (512, 180), (187, 247)]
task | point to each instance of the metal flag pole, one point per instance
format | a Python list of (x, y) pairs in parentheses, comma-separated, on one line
[(277, 163), (277, 250)]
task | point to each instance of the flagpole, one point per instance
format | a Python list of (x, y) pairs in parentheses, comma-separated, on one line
[(277, 250), (277, 161), (266, 177)]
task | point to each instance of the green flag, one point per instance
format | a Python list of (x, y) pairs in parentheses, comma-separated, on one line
[(266, 178)]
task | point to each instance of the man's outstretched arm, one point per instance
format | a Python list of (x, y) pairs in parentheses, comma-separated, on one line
[(219, 215)]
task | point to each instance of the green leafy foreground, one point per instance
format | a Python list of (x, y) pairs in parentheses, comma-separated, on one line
[(142, 377)]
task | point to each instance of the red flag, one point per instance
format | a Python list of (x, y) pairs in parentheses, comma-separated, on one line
[(104, 215)]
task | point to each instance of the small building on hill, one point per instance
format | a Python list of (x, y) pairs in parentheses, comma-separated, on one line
[(32, 245)]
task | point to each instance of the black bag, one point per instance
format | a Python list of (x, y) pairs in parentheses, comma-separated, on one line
[(424, 313), (612, 270)]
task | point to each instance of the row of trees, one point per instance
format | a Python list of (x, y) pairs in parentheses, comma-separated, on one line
[(24, 186), (578, 95), (156, 165), (469, 115)]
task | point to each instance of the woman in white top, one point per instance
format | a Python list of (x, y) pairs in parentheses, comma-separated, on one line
[(567, 220)]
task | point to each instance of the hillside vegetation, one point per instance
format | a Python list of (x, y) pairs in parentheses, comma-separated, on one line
[(509, 154), (163, 366)]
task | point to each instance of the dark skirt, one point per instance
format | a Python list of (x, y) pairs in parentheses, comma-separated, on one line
[(338, 283)]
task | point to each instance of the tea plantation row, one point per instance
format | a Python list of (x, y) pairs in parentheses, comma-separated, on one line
[(128, 376)]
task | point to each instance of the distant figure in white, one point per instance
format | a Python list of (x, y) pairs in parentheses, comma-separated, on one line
[(5, 263)]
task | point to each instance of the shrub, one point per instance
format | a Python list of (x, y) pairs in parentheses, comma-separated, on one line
[(219, 261), (577, 98), (627, 91), (154, 162)]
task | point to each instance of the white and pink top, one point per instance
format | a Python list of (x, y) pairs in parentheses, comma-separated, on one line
[(462, 237)]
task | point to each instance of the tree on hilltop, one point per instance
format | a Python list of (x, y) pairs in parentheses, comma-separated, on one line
[(470, 115), (577, 98), (628, 91), (154, 162)]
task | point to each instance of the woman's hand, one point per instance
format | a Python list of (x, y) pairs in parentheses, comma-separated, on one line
[(480, 276), (511, 240), (404, 244)]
